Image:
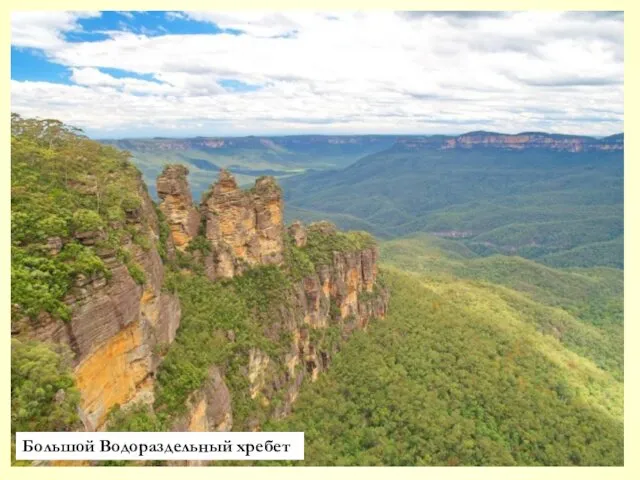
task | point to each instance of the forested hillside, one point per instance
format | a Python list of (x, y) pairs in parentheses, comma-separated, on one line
[(496, 361), (175, 316), (562, 208)]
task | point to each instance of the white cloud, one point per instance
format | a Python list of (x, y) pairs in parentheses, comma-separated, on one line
[(344, 71), (44, 29), (92, 77)]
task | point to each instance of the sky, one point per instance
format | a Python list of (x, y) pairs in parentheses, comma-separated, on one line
[(214, 73)]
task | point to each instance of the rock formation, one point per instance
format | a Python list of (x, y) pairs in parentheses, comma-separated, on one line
[(209, 407), (341, 297), (298, 234), (244, 228), (177, 205), (120, 324)]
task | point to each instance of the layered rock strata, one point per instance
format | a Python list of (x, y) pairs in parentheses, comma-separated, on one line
[(177, 205), (116, 323)]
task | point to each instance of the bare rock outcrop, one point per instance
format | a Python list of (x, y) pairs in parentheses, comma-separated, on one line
[(244, 227), (298, 234), (209, 408), (177, 205)]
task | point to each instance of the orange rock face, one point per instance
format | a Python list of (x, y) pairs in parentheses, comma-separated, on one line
[(115, 373), (342, 295), (177, 205), (115, 324), (244, 228)]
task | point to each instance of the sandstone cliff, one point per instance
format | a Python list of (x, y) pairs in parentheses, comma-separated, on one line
[(329, 288), (318, 313), (177, 205), (520, 141), (116, 322), (124, 322), (244, 228)]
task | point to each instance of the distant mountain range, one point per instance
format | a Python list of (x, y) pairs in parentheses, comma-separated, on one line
[(519, 141), (557, 199), (328, 145), (284, 156)]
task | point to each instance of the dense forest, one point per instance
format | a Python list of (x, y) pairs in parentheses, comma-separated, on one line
[(563, 209), (458, 375)]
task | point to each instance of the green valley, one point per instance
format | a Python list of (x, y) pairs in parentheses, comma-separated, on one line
[(562, 208)]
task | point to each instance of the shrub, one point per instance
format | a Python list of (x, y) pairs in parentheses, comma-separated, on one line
[(43, 395), (87, 221), (136, 273)]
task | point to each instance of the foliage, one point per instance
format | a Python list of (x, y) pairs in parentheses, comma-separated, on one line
[(199, 243), (86, 221), (533, 203), (135, 418), (297, 261), (163, 234), (63, 184), (452, 379), (43, 395), (322, 244), (246, 306), (39, 281), (583, 308), (136, 273)]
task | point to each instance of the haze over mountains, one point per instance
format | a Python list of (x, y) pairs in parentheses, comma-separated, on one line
[(249, 157)]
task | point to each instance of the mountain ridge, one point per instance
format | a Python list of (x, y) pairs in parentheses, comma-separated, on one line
[(219, 141)]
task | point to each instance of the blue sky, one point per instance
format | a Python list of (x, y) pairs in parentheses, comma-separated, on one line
[(132, 74)]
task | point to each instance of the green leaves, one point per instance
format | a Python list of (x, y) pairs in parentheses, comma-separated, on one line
[(136, 273), (63, 184), (43, 396), (87, 221), (321, 244), (38, 283)]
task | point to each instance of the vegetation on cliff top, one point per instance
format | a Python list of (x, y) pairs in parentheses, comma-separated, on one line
[(63, 188), (323, 239)]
